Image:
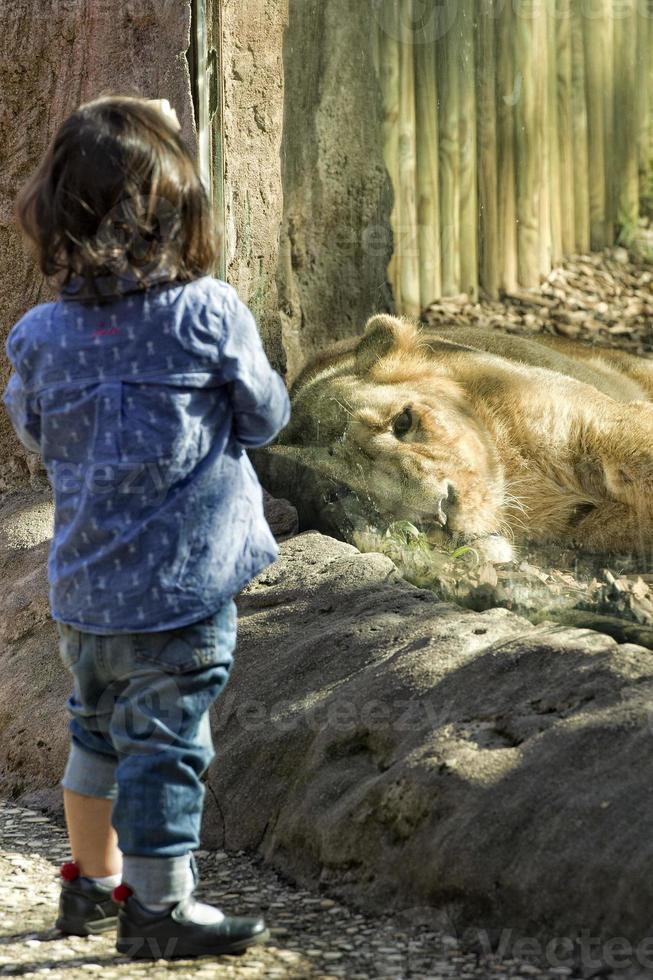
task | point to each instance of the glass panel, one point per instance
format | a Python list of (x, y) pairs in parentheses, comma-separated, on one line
[(495, 441)]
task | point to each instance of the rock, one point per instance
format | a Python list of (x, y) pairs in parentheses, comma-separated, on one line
[(51, 60), (35, 685), (315, 485), (392, 750), (281, 516), (404, 753), (334, 239)]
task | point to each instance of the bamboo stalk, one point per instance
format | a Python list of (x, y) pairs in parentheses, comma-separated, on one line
[(644, 55), (596, 74), (408, 233), (552, 14), (527, 38), (543, 129), (648, 11), (486, 96), (448, 70), (468, 153), (428, 203), (375, 47), (389, 74), (564, 100), (611, 153), (625, 103), (508, 91), (580, 134), (540, 138)]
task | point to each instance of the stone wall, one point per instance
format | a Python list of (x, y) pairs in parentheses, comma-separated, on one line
[(335, 240), (53, 56), (307, 197), (253, 124)]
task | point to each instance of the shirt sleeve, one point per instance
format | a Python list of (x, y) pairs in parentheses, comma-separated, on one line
[(23, 413), (258, 395)]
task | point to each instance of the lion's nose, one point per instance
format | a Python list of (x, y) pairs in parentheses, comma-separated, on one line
[(446, 502)]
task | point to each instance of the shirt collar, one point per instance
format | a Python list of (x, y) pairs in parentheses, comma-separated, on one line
[(112, 286)]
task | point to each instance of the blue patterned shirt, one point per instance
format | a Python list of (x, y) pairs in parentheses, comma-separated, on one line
[(142, 406)]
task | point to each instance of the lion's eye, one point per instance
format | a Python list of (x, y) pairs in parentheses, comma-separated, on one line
[(403, 423)]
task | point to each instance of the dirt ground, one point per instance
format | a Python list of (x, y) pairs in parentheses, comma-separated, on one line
[(312, 937)]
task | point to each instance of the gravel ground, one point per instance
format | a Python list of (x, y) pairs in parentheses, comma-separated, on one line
[(312, 937), (605, 299)]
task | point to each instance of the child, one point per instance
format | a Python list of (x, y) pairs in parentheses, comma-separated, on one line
[(141, 387)]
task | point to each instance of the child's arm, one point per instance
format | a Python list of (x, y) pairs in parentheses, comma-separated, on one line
[(258, 395), (22, 410)]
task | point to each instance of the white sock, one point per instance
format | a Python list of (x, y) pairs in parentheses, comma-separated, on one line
[(158, 908), (205, 915), (109, 881)]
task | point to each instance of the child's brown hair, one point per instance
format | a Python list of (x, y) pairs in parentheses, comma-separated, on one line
[(118, 191)]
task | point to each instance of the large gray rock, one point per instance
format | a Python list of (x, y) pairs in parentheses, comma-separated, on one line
[(335, 241), (389, 747), (53, 56), (35, 685), (404, 752)]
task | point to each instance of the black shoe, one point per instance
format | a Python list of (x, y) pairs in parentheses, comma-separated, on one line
[(144, 935), (84, 907)]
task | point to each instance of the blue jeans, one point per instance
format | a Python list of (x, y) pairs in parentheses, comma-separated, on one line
[(140, 735)]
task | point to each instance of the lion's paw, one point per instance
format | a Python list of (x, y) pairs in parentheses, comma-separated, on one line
[(494, 548)]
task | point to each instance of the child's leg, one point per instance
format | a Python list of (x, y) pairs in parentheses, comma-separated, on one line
[(93, 841), (160, 729), (89, 781), (160, 791)]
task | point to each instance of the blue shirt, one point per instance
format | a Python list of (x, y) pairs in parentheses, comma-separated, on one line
[(142, 408)]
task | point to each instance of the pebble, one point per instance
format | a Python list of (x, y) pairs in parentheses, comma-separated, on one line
[(313, 937)]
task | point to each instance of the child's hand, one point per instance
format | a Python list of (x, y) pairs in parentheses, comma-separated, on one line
[(164, 106)]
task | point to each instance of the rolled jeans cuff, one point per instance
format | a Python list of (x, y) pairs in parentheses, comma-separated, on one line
[(90, 773), (160, 880)]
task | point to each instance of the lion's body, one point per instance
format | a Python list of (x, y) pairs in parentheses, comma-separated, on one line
[(546, 440)]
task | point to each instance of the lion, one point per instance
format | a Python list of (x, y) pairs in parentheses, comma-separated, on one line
[(478, 435)]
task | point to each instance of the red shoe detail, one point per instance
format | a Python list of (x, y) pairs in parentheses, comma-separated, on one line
[(69, 871), (121, 893)]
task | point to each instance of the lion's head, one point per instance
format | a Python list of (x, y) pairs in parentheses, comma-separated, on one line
[(394, 427)]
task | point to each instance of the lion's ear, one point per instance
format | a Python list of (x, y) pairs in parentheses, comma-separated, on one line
[(383, 335)]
